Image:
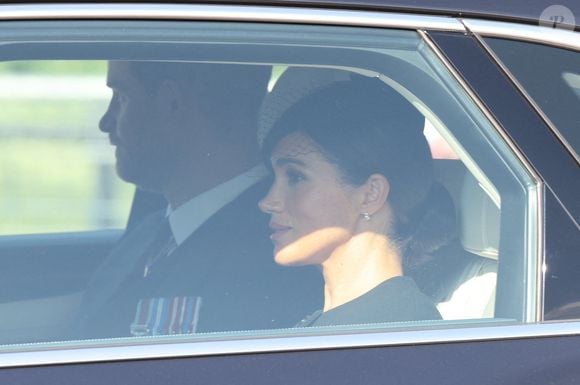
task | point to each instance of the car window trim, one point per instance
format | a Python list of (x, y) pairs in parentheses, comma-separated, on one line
[(557, 37), (228, 13), (152, 349)]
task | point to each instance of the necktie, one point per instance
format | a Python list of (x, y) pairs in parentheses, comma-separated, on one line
[(164, 315), (163, 245)]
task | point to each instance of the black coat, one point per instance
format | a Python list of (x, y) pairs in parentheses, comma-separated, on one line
[(227, 262)]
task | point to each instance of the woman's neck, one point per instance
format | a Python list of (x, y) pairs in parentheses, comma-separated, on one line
[(357, 267)]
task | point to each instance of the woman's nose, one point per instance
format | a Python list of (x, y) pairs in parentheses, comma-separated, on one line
[(270, 203)]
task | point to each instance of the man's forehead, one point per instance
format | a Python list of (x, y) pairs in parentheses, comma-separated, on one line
[(120, 73)]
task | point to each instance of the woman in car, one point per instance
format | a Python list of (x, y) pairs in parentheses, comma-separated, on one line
[(352, 172)]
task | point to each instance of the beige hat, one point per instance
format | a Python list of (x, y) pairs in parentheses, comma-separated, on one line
[(294, 84)]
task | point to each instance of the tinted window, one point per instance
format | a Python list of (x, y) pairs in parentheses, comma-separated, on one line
[(275, 152), (53, 159), (551, 76)]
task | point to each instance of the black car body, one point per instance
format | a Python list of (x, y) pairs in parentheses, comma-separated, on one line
[(512, 68)]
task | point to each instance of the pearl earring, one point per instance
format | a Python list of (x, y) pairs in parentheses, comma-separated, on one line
[(366, 216)]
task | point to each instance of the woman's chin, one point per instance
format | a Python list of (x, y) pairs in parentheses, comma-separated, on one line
[(301, 253), (284, 258), (280, 258)]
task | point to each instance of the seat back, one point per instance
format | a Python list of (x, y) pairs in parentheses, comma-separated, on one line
[(472, 294)]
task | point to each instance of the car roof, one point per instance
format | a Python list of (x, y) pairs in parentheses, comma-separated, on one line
[(527, 11)]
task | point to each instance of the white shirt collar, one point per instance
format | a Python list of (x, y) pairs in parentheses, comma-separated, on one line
[(192, 214)]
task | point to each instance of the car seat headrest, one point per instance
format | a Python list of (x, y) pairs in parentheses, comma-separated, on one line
[(479, 219)]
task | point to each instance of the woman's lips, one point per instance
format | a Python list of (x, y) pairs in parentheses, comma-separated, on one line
[(278, 230)]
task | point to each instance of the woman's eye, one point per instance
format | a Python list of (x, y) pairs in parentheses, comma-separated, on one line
[(294, 177)]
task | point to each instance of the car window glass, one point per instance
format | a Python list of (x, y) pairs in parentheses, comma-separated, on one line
[(272, 151), (573, 81), (550, 76), (53, 159)]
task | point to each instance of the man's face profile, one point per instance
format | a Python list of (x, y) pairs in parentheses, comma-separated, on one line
[(134, 127)]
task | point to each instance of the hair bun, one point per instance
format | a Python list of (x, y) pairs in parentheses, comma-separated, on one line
[(431, 225)]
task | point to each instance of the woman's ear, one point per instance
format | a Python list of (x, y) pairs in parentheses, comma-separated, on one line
[(375, 193)]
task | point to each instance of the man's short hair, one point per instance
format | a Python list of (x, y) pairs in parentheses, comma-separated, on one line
[(232, 90)]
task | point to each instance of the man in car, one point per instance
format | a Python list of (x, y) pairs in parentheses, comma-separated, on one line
[(188, 132)]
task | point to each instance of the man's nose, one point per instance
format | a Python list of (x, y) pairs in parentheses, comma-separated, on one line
[(108, 120), (271, 203)]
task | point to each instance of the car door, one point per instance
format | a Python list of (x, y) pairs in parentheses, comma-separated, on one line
[(511, 175)]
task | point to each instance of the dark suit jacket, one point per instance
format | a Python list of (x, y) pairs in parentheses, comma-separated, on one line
[(228, 262)]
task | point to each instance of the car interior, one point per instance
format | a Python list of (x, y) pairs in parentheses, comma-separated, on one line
[(42, 276)]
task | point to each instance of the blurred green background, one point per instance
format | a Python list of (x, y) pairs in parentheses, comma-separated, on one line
[(56, 168)]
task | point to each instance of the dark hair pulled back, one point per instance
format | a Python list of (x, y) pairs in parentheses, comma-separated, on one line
[(364, 127)]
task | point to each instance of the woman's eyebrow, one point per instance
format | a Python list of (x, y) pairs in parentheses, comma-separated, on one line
[(286, 161)]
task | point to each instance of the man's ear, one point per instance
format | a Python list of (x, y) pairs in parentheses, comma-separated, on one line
[(375, 192)]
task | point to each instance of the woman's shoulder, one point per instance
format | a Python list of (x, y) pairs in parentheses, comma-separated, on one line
[(397, 299), (412, 302)]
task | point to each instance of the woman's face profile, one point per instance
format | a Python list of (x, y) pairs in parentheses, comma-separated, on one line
[(312, 211)]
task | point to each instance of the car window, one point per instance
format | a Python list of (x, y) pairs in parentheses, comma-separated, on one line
[(53, 159), (316, 180), (551, 77)]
